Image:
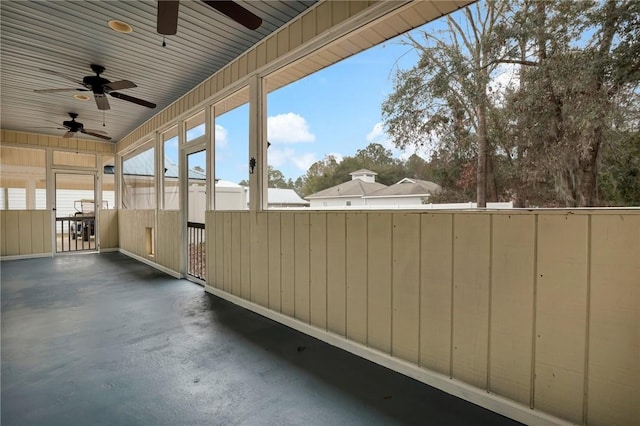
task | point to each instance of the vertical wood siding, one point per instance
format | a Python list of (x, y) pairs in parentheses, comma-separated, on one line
[(132, 225), (108, 223), (541, 308), (10, 137), (25, 232)]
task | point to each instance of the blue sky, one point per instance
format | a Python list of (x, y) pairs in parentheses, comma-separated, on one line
[(336, 110), (333, 111)]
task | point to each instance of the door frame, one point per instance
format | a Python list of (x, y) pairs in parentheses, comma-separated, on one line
[(97, 196), (187, 150)]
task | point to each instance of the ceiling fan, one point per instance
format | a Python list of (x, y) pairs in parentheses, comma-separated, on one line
[(100, 86), (168, 14), (72, 127)]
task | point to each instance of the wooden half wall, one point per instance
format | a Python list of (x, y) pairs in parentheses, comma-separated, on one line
[(540, 308), (153, 236), (25, 232)]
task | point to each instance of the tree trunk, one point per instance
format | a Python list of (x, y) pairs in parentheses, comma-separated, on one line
[(492, 185), (589, 160), (481, 188)]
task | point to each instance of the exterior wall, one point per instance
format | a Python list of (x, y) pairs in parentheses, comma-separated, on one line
[(394, 201), (541, 308), (25, 232), (319, 203)]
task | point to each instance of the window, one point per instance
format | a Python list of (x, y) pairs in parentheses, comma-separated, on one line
[(232, 152), (194, 127), (22, 178), (138, 180)]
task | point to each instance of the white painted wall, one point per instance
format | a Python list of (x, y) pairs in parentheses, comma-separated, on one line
[(321, 203)]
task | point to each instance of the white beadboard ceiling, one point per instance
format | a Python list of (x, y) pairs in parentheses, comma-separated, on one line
[(68, 36)]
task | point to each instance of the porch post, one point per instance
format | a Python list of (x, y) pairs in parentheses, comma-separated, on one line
[(257, 145)]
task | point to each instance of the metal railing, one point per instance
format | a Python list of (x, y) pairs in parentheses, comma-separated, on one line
[(197, 265), (75, 233)]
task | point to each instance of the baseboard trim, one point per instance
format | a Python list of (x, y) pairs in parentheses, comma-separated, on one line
[(453, 387), (109, 250), (25, 256), (152, 264)]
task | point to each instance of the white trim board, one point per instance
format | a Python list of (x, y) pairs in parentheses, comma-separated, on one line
[(477, 396), (25, 256)]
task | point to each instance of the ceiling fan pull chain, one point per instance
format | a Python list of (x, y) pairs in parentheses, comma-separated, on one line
[(164, 43), (103, 125)]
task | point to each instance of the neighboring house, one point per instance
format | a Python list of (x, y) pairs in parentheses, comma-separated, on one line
[(363, 182), (407, 192), (282, 198)]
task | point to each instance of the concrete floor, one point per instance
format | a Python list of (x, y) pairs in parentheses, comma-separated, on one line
[(101, 339)]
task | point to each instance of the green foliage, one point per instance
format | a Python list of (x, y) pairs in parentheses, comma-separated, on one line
[(276, 179), (619, 177), (540, 141), (329, 172)]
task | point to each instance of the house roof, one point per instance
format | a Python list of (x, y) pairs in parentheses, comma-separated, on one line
[(143, 164), (407, 187), (283, 196), (352, 188), (363, 172)]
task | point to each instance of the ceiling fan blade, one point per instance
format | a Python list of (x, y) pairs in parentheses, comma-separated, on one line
[(119, 85), (132, 99), (97, 135), (78, 82), (101, 101), (236, 12), (102, 132), (167, 17), (59, 90), (69, 135)]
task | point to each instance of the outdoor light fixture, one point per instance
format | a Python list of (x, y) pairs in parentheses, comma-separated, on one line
[(81, 97), (252, 165)]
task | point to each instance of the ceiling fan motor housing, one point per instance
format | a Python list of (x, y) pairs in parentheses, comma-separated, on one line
[(96, 83)]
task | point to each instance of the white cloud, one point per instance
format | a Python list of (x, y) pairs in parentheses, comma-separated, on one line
[(280, 157), (304, 161), (339, 157), (377, 134), (222, 135), (288, 128)]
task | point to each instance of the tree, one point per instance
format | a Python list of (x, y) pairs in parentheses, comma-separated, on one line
[(276, 179), (537, 141), (619, 178), (444, 98)]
